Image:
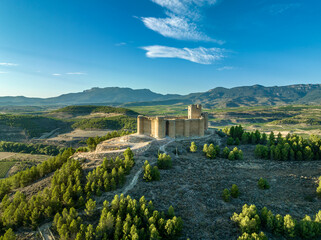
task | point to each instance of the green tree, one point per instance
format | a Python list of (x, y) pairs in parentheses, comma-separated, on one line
[(147, 173), (9, 235), (211, 153), (226, 195), (90, 207), (205, 148), (263, 184), (289, 226), (193, 147), (235, 191), (231, 156)]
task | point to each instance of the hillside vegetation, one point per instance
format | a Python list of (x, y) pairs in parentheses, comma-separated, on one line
[(88, 109), (34, 126)]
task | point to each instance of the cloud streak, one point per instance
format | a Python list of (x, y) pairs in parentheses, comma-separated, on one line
[(197, 55), (182, 21), (76, 73), (6, 64), (276, 9)]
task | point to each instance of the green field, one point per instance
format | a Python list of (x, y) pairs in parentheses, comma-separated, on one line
[(5, 167)]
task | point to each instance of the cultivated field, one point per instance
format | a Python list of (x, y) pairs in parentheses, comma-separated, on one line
[(5, 167)]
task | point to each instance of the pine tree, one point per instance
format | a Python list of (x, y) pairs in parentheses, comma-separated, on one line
[(211, 152), (289, 226), (205, 148), (147, 173), (231, 156), (193, 147), (90, 207), (235, 191), (226, 195)]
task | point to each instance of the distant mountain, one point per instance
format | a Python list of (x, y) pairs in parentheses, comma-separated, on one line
[(109, 95), (259, 95), (218, 97)]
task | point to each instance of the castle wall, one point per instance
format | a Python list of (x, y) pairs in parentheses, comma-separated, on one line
[(171, 128), (180, 127), (159, 127)]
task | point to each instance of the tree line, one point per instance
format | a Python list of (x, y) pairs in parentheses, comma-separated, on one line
[(25, 177), (30, 148), (123, 218), (276, 147), (251, 222), (68, 189)]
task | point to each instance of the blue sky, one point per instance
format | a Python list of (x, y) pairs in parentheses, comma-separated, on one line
[(51, 47)]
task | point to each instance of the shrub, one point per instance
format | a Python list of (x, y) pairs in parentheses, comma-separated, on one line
[(237, 141), (226, 195), (289, 226), (164, 161), (253, 236), (205, 149), (150, 174), (231, 156), (226, 152), (193, 147), (263, 184), (211, 153), (230, 141), (235, 191), (147, 172), (248, 220)]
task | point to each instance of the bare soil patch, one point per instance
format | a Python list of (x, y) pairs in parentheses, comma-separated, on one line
[(194, 186)]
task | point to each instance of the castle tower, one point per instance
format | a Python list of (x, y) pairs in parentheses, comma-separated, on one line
[(140, 124), (194, 111)]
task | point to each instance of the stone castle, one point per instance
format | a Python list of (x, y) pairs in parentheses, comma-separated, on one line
[(195, 124)]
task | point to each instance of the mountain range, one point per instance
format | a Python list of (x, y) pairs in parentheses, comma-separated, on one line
[(256, 95)]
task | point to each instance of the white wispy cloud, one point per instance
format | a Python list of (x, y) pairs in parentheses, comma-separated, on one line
[(56, 74), (76, 73), (280, 8), (120, 44), (7, 64), (182, 21), (175, 27), (3, 72), (226, 68), (198, 55)]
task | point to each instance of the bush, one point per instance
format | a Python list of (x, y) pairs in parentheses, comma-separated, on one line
[(211, 153), (226, 195), (248, 220), (263, 184), (205, 149), (150, 174), (230, 141), (164, 161), (231, 156), (226, 152), (235, 191), (193, 147), (253, 236)]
